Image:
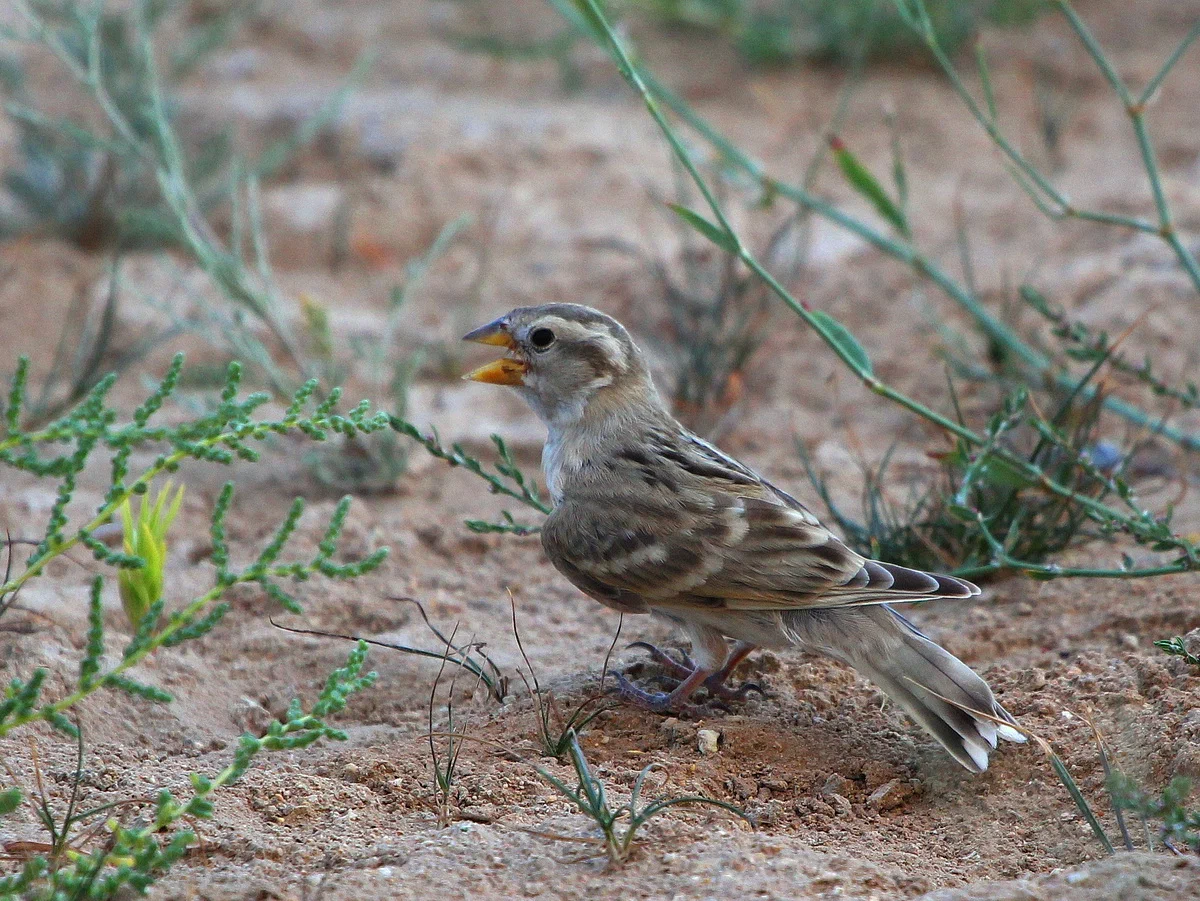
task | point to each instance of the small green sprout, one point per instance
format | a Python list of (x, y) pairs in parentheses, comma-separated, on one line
[(146, 537)]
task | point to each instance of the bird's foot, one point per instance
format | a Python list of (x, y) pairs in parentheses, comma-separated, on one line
[(715, 683), (718, 689), (654, 701)]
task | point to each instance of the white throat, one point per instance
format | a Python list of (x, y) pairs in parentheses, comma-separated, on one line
[(564, 413), (571, 441)]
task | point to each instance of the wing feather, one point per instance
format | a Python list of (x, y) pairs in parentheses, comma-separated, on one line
[(687, 525)]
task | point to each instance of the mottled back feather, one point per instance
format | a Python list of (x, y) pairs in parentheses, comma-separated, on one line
[(733, 540)]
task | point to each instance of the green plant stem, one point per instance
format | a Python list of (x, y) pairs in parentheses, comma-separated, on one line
[(177, 622), (918, 18), (525, 492), (1137, 115), (163, 156), (1156, 81), (165, 161), (162, 464), (169, 169), (1062, 206), (297, 731), (909, 255), (650, 88), (1136, 524)]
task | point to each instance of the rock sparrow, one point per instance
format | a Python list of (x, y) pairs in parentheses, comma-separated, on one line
[(649, 518)]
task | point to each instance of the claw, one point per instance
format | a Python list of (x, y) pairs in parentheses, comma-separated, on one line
[(716, 682), (656, 701), (727, 693)]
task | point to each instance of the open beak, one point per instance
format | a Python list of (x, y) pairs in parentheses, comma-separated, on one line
[(505, 371)]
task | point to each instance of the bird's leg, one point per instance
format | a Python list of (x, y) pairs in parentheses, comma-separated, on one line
[(716, 682)]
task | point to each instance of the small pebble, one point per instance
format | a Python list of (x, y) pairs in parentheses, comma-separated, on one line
[(841, 805), (835, 784), (879, 797), (1034, 679), (708, 741)]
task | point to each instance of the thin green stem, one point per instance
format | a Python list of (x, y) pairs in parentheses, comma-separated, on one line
[(97, 683), (1150, 160), (1137, 116), (1095, 51), (632, 75), (1157, 80), (1031, 180), (95, 82), (45, 35), (1131, 222), (106, 512), (904, 253), (988, 122), (1137, 524), (169, 169)]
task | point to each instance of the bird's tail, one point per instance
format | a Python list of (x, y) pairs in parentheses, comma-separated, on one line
[(917, 674)]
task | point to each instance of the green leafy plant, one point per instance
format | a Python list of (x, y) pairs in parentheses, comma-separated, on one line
[(61, 450), (72, 181), (1176, 647), (507, 480), (69, 835), (1088, 346), (618, 825), (1176, 824), (981, 517), (134, 857), (235, 259), (111, 56)]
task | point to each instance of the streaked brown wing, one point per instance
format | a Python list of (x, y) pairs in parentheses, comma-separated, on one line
[(687, 525), (786, 560)]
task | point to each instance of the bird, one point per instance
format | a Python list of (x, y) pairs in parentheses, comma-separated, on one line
[(649, 518)]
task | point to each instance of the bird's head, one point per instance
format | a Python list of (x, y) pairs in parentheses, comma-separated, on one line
[(570, 362)]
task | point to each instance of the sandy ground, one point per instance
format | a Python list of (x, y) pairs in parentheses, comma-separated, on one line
[(851, 799)]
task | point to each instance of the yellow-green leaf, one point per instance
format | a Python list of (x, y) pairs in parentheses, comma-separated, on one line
[(714, 233), (861, 179), (840, 337), (146, 537)]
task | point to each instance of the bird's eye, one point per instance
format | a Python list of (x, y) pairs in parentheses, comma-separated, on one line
[(541, 338)]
